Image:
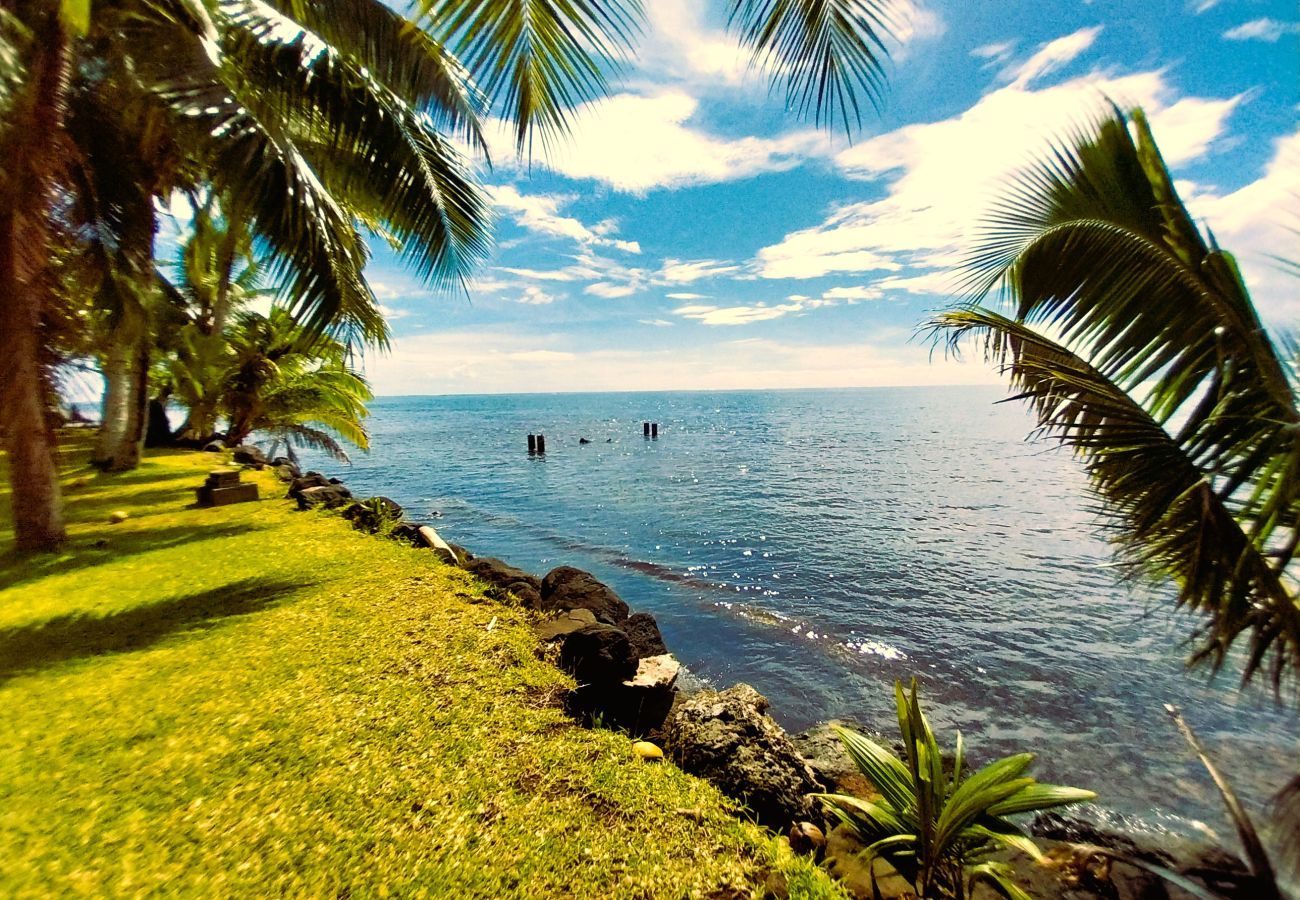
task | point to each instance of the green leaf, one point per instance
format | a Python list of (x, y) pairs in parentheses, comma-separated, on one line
[(998, 877), (880, 767), (1037, 796)]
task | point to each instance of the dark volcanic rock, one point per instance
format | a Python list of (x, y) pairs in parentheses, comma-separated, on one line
[(563, 625), (407, 533), (727, 738), (213, 447), (500, 574), (331, 496), (310, 480), (284, 462), (643, 631), (527, 595), (461, 553), (569, 588), (373, 514), (249, 455), (598, 655)]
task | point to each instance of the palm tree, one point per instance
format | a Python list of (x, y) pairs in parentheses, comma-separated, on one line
[(296, 391), (316, 122), (1134, 338)]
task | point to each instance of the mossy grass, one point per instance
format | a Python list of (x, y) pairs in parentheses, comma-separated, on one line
[(256, 700)]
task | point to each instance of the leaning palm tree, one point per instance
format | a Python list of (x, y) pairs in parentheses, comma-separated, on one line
[(1134, 338), (276, 387), (317, 122)]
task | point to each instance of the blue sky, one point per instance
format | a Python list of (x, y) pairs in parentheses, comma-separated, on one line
[(692, 234)]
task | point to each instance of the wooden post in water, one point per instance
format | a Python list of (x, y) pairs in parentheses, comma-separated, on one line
[(645, 429), (541, 445), (654, 430), (532, 444)]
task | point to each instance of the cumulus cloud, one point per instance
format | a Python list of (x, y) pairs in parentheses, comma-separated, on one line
[(541, 214), (941, 176), (707, 314), (1270, 30), (490, 361), (639, 143), (675, 271)]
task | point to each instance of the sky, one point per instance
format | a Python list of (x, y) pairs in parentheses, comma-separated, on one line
[(693, 234)]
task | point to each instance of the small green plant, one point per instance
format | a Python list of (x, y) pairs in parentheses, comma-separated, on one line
[(937, 825)]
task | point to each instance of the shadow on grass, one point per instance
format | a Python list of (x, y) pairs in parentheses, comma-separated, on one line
[(31, 648), (111, 546)]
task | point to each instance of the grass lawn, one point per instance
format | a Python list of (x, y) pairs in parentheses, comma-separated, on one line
[(255, 700)]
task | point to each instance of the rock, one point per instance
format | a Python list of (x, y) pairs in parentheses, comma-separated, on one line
[(430, 538), (647, 751), (249, 455), (373, 514), (583, 441), (658, 673), (330, 496), (569, 588), (213, 447), (527, 595), (598, 655), (862, 876), (565, 624), (118, 516), (310, 480), (284, 462), (807, 839), (728, 739), (831, 763), (500, 574), (285, 473), (643, 631), (637, 705), (461, 553), (406, 533)]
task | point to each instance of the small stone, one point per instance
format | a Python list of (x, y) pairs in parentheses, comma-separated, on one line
[(118, 516), (647, 751)]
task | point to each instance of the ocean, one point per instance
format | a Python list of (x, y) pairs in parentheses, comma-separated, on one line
[(821, 544)]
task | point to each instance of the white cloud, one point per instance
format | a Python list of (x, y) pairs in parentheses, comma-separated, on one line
[(541, 214), (532, 295), (995, 54), (606, 289), (461, 362), (1201, 6), (1258, 223), (675, 271), (391, 314), (687, 296), (1052, 56), (658, 323), (762, 312), (941, 176), (1261, 30), (639, 143)]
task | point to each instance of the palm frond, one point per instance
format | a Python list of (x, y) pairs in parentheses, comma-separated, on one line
[(826, 52), (537, 60), (1163, 509)]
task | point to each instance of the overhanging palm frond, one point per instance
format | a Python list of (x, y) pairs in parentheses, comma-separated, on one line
[(537, 60), (826, 52), (406, 59), (1166, 515), (366, 143), (1094, 244)]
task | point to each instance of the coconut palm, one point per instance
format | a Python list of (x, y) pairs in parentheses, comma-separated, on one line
[(315, 122), (1134, 338), (292, 390)]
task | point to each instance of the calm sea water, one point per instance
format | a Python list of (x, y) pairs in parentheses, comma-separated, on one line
[(820, 544)]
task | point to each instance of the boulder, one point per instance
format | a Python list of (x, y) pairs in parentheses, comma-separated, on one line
[(569, 588), (637, 705), (213, 447), (373, 514), (406, 533), (824, 752), (330, 496), (430, 538), (527, 595), (310, 480), (249, 455), (285, 473), (500, 574), (643, 631), (563, 625), (598, 656), (461, 553), (728, 738), (282, 463)]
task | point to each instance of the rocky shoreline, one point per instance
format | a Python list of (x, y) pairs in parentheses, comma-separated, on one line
[(628, 680)]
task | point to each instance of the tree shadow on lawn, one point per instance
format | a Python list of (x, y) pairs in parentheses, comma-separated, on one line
[(111, 546), (31, 648)]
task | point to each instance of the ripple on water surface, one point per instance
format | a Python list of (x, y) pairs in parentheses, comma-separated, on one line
[(819, 544)]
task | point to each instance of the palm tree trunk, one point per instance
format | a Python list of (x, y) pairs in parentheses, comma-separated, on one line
[(24, 238), (117, 393)]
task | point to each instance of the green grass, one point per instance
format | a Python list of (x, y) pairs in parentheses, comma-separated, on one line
[(255, 700)]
